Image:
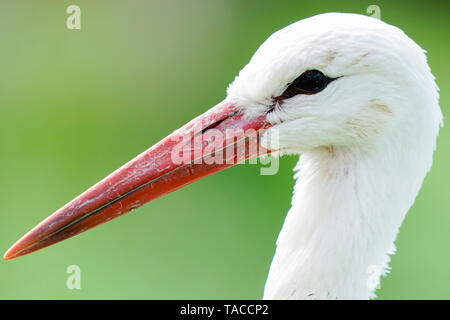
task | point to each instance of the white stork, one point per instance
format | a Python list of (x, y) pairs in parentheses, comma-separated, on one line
[(350, 94)]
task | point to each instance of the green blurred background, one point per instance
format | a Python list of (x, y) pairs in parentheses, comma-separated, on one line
[(75, 105)]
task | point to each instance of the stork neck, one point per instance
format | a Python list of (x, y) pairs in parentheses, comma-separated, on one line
[(346, 212)]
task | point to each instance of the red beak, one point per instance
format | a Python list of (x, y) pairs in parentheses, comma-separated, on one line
[(214, 141)]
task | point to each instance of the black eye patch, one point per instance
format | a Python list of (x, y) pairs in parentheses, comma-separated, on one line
[(309, 82)]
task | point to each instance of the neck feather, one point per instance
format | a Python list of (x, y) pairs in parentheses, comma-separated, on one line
[(346, 211)]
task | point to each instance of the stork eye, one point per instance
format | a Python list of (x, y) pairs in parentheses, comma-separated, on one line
[(309, 82)]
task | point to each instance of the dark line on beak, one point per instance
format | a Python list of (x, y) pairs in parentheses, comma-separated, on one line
[(217, 123)]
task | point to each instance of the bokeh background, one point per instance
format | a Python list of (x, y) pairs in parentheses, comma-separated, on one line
[(75, 105)]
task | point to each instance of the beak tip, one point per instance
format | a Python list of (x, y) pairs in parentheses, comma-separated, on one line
[(13, 252), (9, 255)]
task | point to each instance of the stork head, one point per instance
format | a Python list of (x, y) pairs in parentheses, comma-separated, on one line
[(339, 80), (333, 80)]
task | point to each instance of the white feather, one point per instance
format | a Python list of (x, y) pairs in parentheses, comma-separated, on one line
[(366, 143)]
